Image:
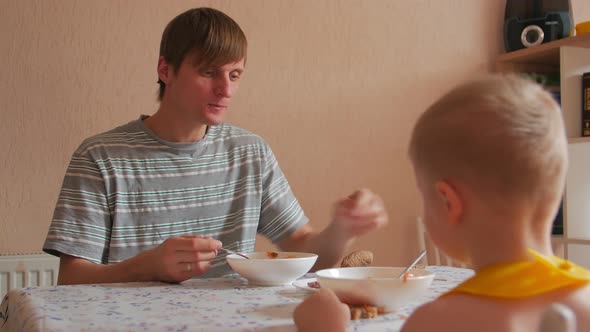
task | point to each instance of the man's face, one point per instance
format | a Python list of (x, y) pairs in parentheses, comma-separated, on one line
[(202, 93)]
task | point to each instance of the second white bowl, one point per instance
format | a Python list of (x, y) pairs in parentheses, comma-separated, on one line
[(378, 286), (263, 270)]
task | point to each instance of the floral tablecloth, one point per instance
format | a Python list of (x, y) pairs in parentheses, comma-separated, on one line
[(217, 304)]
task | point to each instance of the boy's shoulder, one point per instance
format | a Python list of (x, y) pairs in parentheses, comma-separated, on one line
[(578, 302), (463, 312), (459, 313)]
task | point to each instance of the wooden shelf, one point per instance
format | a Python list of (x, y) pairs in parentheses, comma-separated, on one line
[(569, 58), (544, 54), (574, 140), (570, 240)]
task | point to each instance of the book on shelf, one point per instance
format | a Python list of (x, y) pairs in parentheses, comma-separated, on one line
[(586, 104)]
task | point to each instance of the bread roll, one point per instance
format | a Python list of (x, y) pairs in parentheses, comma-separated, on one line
[(357, 259)]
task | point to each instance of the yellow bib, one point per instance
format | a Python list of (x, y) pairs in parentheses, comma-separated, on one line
[(524, 278)]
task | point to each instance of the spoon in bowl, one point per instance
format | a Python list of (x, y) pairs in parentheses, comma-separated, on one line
[(409, 267), (235, 253)]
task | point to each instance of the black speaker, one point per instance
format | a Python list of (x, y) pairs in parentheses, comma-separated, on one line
[(528, 23)]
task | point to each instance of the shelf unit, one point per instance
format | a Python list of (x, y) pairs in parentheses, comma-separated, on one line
[(570, 57)]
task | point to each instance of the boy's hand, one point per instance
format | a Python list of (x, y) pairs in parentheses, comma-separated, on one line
[(322, 311), (358, 214), (181, 258)]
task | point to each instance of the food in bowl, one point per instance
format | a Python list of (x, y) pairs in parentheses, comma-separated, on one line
[(314, 284), (272, 254), (364, 311), (378, 286), (281, 269)]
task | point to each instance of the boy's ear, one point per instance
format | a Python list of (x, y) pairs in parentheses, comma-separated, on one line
[(163, 69), (452, 199)]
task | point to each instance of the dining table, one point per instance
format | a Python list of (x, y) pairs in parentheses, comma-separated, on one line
[(226, 303)]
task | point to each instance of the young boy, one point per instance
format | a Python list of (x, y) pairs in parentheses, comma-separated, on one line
[(155, 199), (490, 160)]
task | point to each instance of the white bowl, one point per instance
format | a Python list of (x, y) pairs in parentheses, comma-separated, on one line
[(378, 286), (262, 270)]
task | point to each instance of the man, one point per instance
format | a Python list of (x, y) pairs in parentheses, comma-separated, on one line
[(157, 198)]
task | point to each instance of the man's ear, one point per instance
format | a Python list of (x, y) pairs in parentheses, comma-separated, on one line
[(452, 199), (164, 70)]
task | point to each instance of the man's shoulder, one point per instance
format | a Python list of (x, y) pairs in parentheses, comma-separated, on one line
[(128, 133), (230, 134)]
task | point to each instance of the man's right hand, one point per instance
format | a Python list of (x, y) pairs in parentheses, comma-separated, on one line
[(174, 260), (184, 257)]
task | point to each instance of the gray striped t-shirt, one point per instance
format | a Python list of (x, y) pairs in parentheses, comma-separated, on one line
[(126, 190)]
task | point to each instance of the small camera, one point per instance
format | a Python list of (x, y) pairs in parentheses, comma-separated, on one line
[(526, 33)]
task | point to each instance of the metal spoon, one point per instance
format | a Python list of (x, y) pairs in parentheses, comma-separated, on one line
[(401, 276), (235, 253)]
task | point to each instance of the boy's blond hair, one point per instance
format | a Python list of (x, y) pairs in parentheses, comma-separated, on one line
[(502, 135)]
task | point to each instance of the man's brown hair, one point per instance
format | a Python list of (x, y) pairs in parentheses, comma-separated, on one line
[(210, 35)]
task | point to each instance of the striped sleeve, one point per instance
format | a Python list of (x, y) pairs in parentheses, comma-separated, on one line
[(280, 213), (81, 224)]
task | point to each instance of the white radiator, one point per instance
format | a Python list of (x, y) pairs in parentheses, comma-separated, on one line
[(18, 271)]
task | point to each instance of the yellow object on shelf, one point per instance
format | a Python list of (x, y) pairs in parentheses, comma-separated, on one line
[(582, 28)]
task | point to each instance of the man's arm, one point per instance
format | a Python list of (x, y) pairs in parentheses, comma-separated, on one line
[(176, 259), (355, 215), (75, 270)]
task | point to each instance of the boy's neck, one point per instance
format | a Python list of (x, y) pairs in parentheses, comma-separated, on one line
[(508, 239)]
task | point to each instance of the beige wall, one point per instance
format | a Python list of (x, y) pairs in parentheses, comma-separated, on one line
[(334, 86)]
